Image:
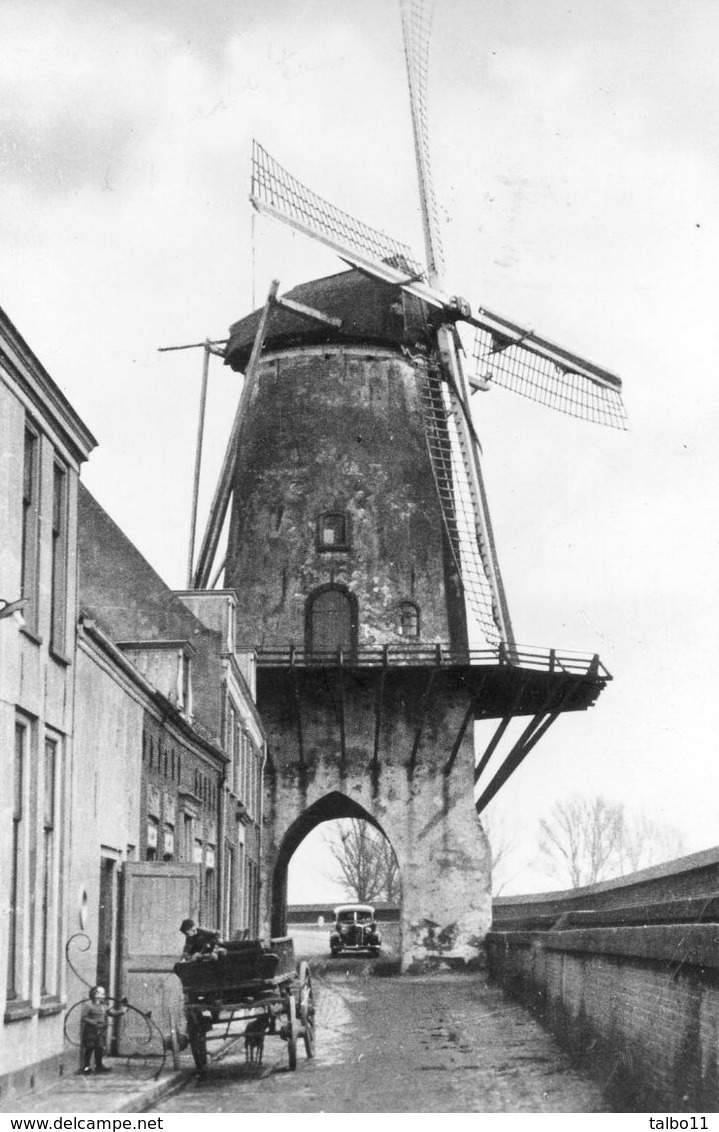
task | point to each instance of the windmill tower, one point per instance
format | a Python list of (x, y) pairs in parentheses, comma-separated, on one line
[(361, 549)]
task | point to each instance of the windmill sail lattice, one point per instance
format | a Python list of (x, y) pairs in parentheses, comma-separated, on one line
[(416, 28), (515, 366), (505, 353), (277, 192), (451, 471)]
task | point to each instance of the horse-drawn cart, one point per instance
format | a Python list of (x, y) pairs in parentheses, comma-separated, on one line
[(250, 989)]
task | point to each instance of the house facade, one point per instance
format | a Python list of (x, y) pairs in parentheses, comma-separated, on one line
[(43, 444), (130, 745), (137, 866), (195, 808)]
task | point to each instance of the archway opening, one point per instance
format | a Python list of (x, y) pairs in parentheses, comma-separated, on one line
[(335, 853)]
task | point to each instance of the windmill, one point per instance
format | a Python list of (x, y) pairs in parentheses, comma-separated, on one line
[(504, 354)]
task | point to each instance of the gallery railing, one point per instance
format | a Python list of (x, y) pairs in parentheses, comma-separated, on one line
[(517, 656)]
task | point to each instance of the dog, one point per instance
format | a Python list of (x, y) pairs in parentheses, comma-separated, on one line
[(255, 1040)]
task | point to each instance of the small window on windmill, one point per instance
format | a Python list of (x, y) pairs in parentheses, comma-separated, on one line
[(333, 531), (409, 619)]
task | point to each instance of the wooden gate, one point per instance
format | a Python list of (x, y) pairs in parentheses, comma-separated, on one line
[(157, 897)]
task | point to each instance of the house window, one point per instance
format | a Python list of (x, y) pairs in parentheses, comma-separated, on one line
[(409, 619), (231, 627), (331, 620), (246, 756), (241, 764), (188, 845), (210, 887), (186, 685), (333, 531), (30, 533), (228, 925), (49, 890), (168, 843), (18, 864), (152, 838), (231, 748), (58, 592)]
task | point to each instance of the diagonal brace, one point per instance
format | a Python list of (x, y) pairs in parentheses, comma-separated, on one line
[(496, 738), (529, 738), (223, 491)]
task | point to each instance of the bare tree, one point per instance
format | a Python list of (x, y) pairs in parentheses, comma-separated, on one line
[(502, 847), (585, 840), (648, 841), (366, 864), (581, 839)]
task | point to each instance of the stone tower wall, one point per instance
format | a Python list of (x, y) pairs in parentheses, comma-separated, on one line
[(338, 428), (428, 816)]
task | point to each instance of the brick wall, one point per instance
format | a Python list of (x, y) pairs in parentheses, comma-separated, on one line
[(630, 988)]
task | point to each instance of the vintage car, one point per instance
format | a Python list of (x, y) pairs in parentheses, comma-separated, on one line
[(355, 930)]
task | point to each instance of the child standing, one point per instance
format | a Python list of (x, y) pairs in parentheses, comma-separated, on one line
[(94, 1023)]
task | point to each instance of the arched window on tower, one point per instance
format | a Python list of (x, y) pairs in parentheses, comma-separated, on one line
[(409, 620), (333, 531), (331, 620)]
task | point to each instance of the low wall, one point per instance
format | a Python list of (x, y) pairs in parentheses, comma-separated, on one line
[(627, 978), (310, 913)]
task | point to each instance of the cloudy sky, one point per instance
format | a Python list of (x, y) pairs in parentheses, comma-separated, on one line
[(575, 147)]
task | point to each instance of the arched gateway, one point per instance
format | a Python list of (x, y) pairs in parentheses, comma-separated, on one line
[(332, 806), (346, 553)]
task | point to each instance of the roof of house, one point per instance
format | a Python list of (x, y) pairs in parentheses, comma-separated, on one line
[(130, 602)]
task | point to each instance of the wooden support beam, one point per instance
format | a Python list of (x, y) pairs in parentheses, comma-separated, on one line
[(496, 738), (307, 312), (528, 739), (469, 715), (425, 708), (223, 491), (378, 703), (198, 459), (298, 711), (343, 748), (216, 576)]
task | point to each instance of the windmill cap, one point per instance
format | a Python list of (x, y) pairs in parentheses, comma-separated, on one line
[(372, 313)]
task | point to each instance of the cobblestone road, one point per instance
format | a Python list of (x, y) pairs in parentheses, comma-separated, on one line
[(441, 1044)]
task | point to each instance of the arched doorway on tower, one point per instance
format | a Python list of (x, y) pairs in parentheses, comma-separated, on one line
[(331, 620), (335, 853)]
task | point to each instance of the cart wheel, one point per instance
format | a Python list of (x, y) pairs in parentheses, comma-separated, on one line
[(198, 1045), (307, 1009), (291, 1031)]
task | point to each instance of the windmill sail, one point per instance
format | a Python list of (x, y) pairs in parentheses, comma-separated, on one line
[(553, 377), (452, 476), (279, 194), (516, 357), (416, 27)]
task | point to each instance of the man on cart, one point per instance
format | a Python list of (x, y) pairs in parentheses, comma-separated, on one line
[(198, 941)]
